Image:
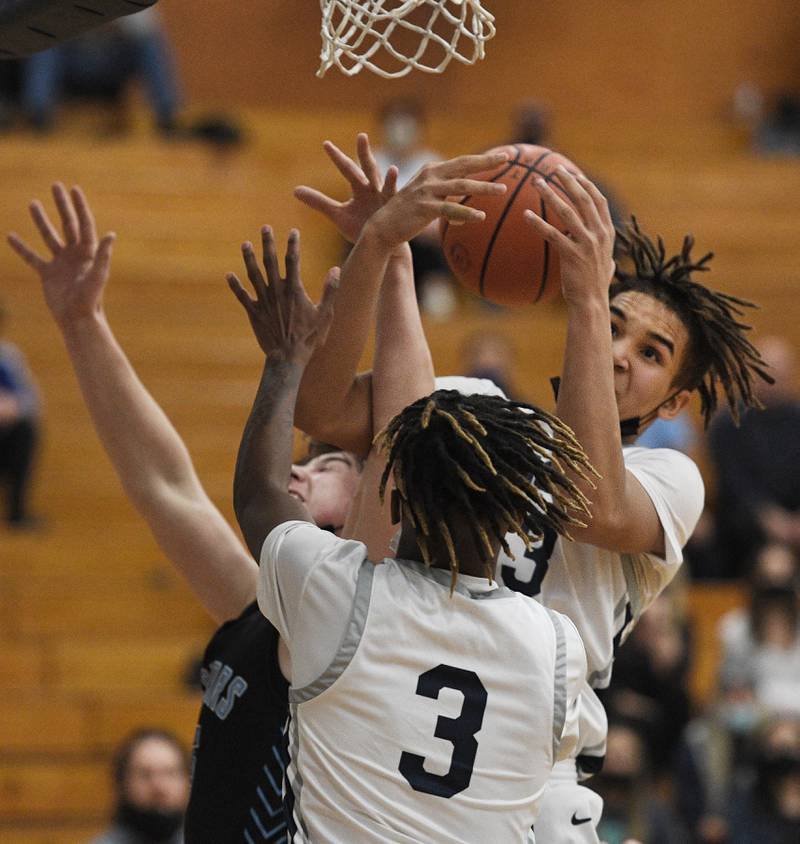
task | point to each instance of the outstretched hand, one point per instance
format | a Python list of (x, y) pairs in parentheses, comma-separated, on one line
[(369, 190), (586, 253), (432, 194), (74, 277), (287, 324)]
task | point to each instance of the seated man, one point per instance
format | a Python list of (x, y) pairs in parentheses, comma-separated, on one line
[(151, 779), (19, 431)]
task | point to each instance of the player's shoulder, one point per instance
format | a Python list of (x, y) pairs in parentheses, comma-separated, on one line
[(667, 463)]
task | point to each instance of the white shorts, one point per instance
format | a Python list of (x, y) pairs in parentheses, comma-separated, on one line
[(568, 812)]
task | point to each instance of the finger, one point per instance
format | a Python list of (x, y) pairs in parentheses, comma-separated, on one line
[(581, 200), (549, 232), (69, 222), (46, 230), (369, 165), (270, 256), (102, 258), (239, 291), (253, 272), (389, 188), (599, 199), (466, 164), (293, 261), (568, 215), (317, 201), (346, 166), (25, 252), (457, 214), (88, 231), (467, 187)]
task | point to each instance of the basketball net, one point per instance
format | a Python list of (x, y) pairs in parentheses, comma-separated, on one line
[(393, 37)]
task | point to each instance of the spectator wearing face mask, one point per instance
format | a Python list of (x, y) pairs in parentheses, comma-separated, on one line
[(713, 759), (768, 810), (151, 779), (631, 809)]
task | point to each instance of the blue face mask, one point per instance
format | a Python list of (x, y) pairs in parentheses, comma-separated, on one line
[(739, 718)]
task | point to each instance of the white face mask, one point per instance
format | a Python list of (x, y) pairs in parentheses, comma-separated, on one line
[(402, 131)]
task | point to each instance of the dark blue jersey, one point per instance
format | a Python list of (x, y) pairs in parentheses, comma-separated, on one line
[(237, 763)]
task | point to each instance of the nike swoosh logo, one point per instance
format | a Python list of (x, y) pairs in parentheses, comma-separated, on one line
[(576, 821)]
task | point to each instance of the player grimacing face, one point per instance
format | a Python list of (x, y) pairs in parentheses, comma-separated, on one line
[(649, 342), (327, 485)]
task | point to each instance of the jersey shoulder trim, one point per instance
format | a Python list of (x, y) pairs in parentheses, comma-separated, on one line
[(560, 681), (350, 640)]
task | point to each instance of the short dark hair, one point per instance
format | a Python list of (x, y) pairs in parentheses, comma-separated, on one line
[(122, 757), (719, 355), (501, 465)]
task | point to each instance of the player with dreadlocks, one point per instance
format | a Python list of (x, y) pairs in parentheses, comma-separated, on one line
[(669, 336), (404, 703), (641, 338)]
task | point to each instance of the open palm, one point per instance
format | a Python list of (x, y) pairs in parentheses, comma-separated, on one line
[(74, 277)]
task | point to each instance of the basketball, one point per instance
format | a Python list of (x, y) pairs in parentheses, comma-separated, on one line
[(502, 258)]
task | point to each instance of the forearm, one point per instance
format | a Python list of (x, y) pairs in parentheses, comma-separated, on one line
[(263, 465), (333, 404), (587, 403), (402, 368), (146, 451)]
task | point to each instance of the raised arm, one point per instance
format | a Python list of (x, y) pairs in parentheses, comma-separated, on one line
[(147, 453), (328, 394), (623, 515), (288, 327)]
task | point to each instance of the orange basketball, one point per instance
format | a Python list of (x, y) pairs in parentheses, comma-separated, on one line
[(502, 258)]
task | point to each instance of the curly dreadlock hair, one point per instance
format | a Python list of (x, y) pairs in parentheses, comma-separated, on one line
[(498, 465), (719, 353)]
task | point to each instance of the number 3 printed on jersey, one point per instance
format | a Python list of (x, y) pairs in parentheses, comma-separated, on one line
[(540, 554), (460, 731)]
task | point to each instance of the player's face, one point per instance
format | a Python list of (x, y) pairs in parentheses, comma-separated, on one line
[(649, 342), (156, 777), (326, 485)]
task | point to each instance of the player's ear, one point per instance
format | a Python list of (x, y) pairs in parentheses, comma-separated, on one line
[(396, 507), (674, 405)]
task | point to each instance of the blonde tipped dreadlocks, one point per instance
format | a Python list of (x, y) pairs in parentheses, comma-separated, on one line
[(500, 465), (719, 352)]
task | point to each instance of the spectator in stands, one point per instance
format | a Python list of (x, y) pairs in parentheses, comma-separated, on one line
[(491, 355), (402, 124), (99, 65), (764, 644), (713, 758), (151, 779), (779, 132), (631, 809), (767, 811), (758, 497), (19, 414)]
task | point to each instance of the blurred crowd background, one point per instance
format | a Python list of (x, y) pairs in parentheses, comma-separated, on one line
[(189, 127)]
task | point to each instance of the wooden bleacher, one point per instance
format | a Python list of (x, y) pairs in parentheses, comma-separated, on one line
[(96, 631)]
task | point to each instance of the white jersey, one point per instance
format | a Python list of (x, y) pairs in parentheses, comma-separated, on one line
[(604, 592), (416, 715)]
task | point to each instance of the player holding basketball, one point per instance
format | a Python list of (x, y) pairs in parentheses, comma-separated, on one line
[(237, 770), (408, 722), (669, 337)]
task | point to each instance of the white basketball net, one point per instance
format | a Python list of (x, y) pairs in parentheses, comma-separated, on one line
[(393, 37)]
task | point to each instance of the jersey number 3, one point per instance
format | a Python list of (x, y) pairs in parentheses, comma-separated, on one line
[(460, 731)]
